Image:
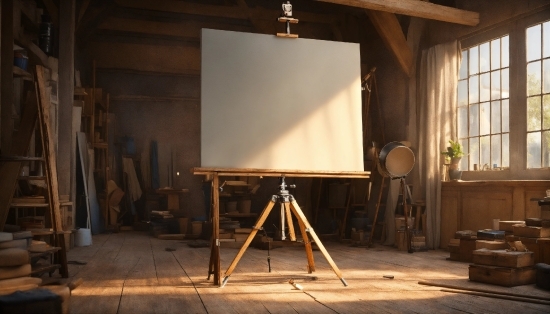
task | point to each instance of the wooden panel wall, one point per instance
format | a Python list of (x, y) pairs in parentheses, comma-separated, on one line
[(472, 205)]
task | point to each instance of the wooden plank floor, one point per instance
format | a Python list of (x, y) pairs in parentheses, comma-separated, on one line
[(131, 272)]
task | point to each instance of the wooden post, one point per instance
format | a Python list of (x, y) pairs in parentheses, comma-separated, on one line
[(307, 243), (66, 156), (216, 228), (6, 76)]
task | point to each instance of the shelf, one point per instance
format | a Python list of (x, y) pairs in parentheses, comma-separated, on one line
[(100, 145), (29, 205), (39, 270), (18, 72), (35, 53)]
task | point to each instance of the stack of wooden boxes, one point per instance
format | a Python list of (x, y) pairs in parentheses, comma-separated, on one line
[(534, 233), (502, 267), (461, 248)]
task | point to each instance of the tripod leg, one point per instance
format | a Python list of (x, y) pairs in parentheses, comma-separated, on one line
[(289, 222), (307, 243), (309, 229), (251, 236)]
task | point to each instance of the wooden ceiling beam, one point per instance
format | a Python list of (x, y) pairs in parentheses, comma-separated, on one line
[(416, 8), (233, 12), (390, 31), (52, 10)]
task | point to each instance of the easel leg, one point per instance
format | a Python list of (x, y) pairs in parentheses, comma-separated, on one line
[(251, 236), (307, 243), (214, 266), (300, 215), (289, 222)]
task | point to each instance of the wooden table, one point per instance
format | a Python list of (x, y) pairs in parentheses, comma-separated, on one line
[(215, 173), (173, 196)]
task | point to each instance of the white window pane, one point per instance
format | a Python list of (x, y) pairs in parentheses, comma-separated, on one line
[(533, 150), (463, 93), (495, 54), (464, 161), (485, 87), (505, 116), (505, 150), (495, 85), (473, 88), (534, 115), (546, 112), (462, 122), (546, 149), (505, 83), (485, 118), (495, 117), (533, 78), (505, 62), (533, 43), (546, 40), (495, 150), (464, 65), (474, 120), (546, 76), (484, 57), (485, 149), (474, 151), (474, 60)]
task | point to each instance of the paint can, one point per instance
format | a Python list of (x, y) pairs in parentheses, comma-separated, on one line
[(83, 237)]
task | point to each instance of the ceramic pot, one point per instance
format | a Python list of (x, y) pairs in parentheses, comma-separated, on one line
[(455, 174), (454, 163)]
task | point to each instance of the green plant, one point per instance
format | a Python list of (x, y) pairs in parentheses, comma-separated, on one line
[(453, 151)]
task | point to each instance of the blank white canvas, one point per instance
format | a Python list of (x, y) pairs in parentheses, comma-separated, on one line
[(278, 103)]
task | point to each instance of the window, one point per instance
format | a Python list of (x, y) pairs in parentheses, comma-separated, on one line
[(538, 95), (483, 104)]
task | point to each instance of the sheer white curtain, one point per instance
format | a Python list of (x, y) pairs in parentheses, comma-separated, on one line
[(436, 126)]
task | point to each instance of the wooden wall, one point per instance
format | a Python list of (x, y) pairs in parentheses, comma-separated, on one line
[(148, 58), (472, 205)]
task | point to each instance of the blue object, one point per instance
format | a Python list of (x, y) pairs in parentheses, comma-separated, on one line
[(21, 62)]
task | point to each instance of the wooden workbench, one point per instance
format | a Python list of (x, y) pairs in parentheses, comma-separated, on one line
[(215, 173)]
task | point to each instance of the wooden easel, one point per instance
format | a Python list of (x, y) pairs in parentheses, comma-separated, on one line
[(289, 204), (215, 173)]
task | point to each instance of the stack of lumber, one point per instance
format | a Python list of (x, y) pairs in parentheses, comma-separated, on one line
[(161, 214), (461, 248), (534, 233), (507, 268), (15, 267)]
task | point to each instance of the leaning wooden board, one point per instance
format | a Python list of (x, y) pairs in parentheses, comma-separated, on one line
[(502, 276), (503, 258)]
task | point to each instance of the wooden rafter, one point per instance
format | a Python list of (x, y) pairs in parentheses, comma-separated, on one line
[(389, 29), (416, 8), (234, 12), (83, 8)]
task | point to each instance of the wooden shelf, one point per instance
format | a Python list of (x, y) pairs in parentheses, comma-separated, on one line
[(18, 72), (29, 205), (39, 270)]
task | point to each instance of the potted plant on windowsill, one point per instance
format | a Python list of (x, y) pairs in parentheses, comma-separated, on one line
[(454, 154)]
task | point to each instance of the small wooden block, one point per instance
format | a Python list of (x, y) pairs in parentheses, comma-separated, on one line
[(287, 35)]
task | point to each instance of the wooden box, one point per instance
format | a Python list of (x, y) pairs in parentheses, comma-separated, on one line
[(540, 248), (467, 246), (502, 276), (491, 245), (503, 258), (531, 232), (508, 225)]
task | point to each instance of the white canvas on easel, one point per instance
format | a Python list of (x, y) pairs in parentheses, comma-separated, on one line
[(279, 103)]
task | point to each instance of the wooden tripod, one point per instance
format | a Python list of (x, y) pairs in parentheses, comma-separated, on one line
[(289, 204)]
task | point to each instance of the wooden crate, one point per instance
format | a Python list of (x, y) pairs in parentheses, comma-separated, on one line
[(539, 246), (508, 225), (502, 276), (531, 232), (491, 245), (503, 258)]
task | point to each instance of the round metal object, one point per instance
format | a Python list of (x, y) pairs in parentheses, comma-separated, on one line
[(396, 160)]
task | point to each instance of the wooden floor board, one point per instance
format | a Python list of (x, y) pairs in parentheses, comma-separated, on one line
[(131, 272)]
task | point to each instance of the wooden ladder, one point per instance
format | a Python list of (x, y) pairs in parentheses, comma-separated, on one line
[(10, 168)]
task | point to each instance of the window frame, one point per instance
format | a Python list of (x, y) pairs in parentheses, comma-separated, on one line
[(516, 29)]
